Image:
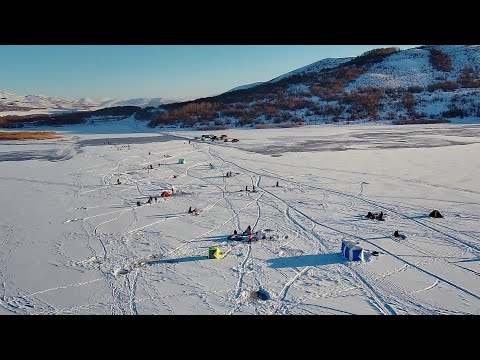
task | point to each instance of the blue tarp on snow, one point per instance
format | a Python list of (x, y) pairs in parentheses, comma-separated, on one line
[(352, 251)]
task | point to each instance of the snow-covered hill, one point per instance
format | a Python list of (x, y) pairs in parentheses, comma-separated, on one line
[(42, 103), (440, 83), (413, 68), (313, 68), (247, 86)]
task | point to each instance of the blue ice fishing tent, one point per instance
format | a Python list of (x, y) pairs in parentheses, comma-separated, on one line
[(352, 251)]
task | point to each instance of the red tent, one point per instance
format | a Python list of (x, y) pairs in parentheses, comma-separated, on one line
[(165, 194)]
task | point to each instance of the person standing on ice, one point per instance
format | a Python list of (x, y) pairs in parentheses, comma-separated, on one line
[(248, 231)]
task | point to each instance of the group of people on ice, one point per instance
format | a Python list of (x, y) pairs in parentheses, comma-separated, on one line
[(381, 217), (259, 235), (375, 216), (150, 200)]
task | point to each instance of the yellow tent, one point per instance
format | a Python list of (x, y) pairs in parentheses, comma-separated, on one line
[(214, 253)]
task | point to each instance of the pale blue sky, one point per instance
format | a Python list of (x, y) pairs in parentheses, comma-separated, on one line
[(168, 71)]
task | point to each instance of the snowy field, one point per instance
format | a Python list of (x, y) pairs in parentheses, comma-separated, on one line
[(74, 242)]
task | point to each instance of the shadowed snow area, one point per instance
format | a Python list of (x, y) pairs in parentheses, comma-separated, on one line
[(58, 151), (387, 138), (74, 241)]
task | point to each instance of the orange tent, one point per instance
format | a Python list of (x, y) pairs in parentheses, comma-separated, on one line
[(165, 194)]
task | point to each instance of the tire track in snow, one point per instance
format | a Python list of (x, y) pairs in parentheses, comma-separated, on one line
[(116, 217), (283, 293), (64, 287), (427, 288), (133, 289)]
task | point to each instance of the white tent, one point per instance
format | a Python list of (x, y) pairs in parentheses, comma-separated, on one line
[(352, 251)]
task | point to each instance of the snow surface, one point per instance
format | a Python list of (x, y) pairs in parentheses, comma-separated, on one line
[(412, 68), (73, 242), (243, 87), (317, 66)]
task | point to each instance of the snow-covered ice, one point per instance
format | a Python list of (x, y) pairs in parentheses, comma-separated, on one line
[(74, 242)]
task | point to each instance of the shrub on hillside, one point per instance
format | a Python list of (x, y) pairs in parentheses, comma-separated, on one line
[(265, 126), (391, 115), (189, 113), (374, 56), (445, 86), (469, 78), (28, 135), (293, 103), (290, 125), (415, 89), (234, 112), (413, 122), (440, 60), (454, 112), (331, 85), (245, 120), (409, 102), (212, 128), (365, 103)]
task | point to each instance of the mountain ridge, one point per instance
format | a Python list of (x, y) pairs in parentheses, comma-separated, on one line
[(14, 102), (429, 83)]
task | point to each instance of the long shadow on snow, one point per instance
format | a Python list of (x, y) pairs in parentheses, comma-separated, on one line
[(306, 260), (420, 217), (166, 216), (179, 260)]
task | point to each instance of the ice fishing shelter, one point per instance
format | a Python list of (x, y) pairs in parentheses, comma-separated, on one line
[(352, 251), (214, 253), (181, 161), (165, 194)]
